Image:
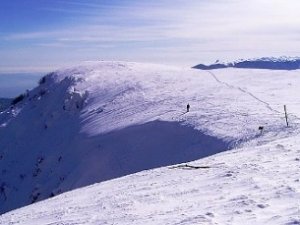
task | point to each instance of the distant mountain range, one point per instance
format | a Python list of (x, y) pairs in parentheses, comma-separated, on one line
[(281, 63)]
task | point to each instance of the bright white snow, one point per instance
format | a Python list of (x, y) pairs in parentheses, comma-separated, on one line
[(252, 185), (118, 118)]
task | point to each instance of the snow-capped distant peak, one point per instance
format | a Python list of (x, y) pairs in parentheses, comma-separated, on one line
[(272, 63)]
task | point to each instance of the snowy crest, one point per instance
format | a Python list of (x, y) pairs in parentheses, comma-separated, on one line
[(103, 120)]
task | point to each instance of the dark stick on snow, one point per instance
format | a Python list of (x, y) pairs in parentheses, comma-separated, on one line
[(186, 166), (286, 118)]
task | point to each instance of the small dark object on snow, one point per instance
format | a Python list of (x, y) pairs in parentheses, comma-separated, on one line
[(187, 166), (261, 128), (188, 107)]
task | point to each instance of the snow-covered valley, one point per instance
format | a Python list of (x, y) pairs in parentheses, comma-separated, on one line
[(104, 120)]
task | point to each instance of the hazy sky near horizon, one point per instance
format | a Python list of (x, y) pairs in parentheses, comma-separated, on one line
[(41, 35)]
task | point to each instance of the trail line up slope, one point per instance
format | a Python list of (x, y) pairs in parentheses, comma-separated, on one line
[(244, 91)]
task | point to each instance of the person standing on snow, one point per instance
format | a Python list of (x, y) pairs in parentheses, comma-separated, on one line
[(188, 107)]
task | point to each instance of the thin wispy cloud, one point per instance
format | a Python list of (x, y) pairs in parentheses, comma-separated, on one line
[(177, 32)]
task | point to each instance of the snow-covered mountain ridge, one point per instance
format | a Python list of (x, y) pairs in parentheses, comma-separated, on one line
[(95, 122), (271, 63), (104, 120)]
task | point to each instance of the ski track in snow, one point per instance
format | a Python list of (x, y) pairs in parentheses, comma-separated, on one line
[(296, 119), (244, 91), (267, 104)]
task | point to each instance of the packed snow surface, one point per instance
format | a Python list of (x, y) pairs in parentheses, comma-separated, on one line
[(253, 185), (104, 120)]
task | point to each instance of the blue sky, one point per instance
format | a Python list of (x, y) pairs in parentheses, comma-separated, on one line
[(42, 35)]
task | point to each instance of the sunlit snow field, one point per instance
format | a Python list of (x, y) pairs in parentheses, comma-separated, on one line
[(123, 118)]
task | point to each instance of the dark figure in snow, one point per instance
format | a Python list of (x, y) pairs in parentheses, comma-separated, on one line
[(188, 107)]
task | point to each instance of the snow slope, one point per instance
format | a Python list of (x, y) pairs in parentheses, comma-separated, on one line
[(252, 185), (104, 120), (100, 121)]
